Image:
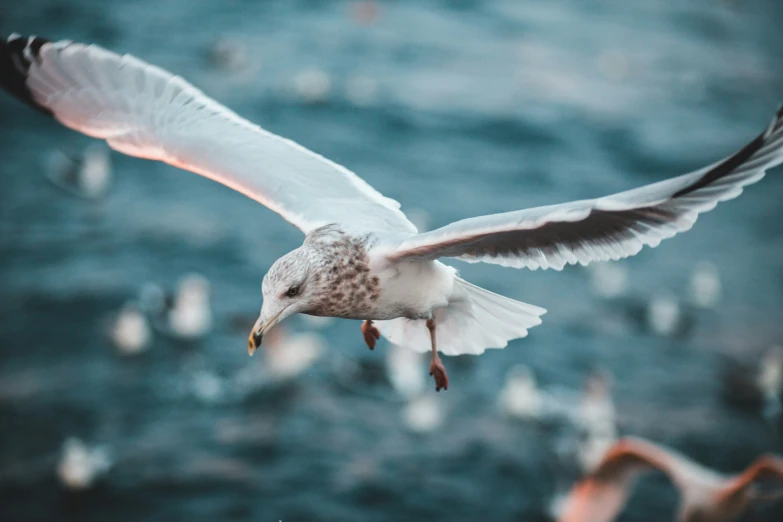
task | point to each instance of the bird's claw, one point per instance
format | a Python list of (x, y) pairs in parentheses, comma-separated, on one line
[(371, 334), (438, 371)]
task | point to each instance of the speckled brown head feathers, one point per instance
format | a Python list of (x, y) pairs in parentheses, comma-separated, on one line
[(331, 274)]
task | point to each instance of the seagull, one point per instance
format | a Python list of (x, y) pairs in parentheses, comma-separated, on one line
[(190, 317), (520, 396), (130, 333), (289, 355), (88, 177), (361, 257), (597, 421), (81, 465), (770, 382), (705, 495)]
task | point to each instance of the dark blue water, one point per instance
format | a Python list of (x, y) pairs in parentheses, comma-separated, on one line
[(478, 107)]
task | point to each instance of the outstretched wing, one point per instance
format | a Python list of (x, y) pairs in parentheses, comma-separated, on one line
[(611, 227), (601, 496), (144, 111), (767, 468)]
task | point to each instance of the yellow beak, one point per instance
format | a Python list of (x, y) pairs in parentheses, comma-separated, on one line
[(258, 331)]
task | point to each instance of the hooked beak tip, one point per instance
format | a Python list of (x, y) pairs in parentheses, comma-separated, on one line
[(254, 342)]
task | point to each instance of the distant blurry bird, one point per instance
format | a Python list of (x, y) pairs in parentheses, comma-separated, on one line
[(770, 382), (80, 466), (609, 280), (405, 372), (184, 314), (519, 396), (423, 414), (663, 314), (705, 495), (704, 287), (597, 419), (227, 54), (287, 355), (190, 317), (130, 332), (313, 85), (88, 177), (361, 258), (755, 385)]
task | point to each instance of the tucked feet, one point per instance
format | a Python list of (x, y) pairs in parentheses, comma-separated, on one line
[(438, 371), (371, 334)]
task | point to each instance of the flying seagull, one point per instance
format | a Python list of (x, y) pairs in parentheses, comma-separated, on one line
[(361, 257), (705, 495)]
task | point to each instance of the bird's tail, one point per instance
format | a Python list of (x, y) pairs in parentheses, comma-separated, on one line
[(475, 320)]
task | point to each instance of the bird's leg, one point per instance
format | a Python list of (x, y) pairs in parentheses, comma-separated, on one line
[(437, 370), (371, 333)]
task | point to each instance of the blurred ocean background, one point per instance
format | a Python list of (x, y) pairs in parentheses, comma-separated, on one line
[(454, 108)]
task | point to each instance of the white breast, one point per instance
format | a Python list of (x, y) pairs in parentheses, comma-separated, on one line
[(413, 289)]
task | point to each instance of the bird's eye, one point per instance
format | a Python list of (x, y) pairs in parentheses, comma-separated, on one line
[(293, 291)]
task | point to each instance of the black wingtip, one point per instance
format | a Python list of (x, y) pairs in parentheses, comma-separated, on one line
[(16, 55), (729, 165)]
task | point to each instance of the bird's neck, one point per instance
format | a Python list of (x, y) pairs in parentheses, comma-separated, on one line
[(346, 286)]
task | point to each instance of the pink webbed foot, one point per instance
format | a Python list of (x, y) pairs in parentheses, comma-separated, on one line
[(371, 334), (438, 372)]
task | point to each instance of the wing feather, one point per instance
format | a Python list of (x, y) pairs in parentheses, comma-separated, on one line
[(607, 228), (144, 111), (601, 496)]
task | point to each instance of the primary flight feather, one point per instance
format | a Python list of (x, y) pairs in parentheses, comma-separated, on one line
[(361, 258)]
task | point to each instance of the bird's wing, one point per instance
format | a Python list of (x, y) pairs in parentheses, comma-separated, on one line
[(144, 111), (601, 496), (611, 227), (767, 468)]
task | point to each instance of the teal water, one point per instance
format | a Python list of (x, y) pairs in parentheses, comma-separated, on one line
[(476, 107)]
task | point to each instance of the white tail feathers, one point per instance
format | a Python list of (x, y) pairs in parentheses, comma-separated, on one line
[(475, 320)]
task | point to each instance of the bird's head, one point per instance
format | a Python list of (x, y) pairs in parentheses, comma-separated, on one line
[(289, 287)]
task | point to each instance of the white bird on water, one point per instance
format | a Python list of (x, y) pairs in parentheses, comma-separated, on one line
[(130, 333), (520, 396), (80, 465), (190, 316), (597, 420), (770, 381), (88, 177), (361, 257), (288, 355)]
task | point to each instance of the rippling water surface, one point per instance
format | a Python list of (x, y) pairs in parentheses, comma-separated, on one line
[(455, 109)]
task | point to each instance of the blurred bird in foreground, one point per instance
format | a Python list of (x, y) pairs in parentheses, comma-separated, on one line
[(361, 258), (705, 495)]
